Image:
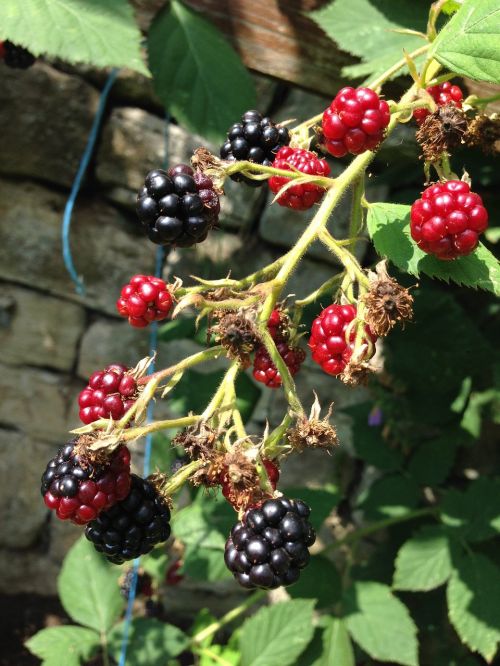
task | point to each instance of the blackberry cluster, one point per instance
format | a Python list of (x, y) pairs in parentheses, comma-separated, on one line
[(144, 299), (16, 56), (265, 371), (303, 196), (109, 394), (256, 139), (133, 526), (78, 490), (269, 547), (443, 94), (178, 207), (329, 343)]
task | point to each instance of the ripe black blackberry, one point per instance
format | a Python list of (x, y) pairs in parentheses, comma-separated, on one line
[(133, 526), (256, 139), (178, 207), (16, 56), (269, 547)]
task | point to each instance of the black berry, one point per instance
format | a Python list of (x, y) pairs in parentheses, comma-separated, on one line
[(178, 207), (270, 546), (133, 526), (16, 56), (256, 139)]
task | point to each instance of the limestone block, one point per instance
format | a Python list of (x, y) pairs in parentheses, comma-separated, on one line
[(38, 329)]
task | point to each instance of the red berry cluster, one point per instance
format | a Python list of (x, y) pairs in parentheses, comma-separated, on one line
[(443, 94), (144, 299), (354, 122), (330, 343), (266, 372), (79, 491), (298, 197), (109, 394), (448, 219)]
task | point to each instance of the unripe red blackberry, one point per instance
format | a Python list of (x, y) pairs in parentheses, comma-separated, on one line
[(178, 207), (255, 139), (79, 490), (133, 526), (109, 394), (354, 122), (16, 56), (298, 197), (330, 343), (144, 299), (278, 325), (270, 545), (266, 372), (448, 219), (443, 94)]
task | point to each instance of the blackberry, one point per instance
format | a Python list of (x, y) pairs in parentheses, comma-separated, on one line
[(178, 207), (109, 394), (265, 371), (133, 526), (79, 490), (16, 56), (144, 299), (269, 547), (256, 139)]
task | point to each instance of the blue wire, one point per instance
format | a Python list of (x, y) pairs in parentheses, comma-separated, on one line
[(153, 343), (75, 188)]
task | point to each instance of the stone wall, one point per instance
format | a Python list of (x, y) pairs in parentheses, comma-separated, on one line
[(51, 339)]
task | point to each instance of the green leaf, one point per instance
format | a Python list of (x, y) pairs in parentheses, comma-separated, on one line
[(424, 561), (205, 564), (197, 74), (389, 228), (276, 635), (468, 44), (473, 596), (473, 515), (373, 39), (381, 624), (64, 646), (88, 587), (337, 646), (99, 33), (320, 580), (369, 444), (389, 497), (156, 564), (431, 463), (321, 500), (150, 642)]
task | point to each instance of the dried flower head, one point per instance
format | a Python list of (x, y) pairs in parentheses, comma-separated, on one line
[(198, 441), (441, 131), (387, 302), (356, 372), (237, 333), (484, 133), (313, 432)]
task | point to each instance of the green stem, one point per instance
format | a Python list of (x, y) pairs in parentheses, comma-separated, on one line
[(272, 447), (213, 656), (472, 100), (213, 628), (388, 74), (362, 532), (104, 648), (327, 286), (286, 378), (252, 168), (356, 220), (180, 477), (156, 426), (220, 394), (188, 362), (345, 257)]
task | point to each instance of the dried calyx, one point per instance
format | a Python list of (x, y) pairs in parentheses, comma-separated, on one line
[(387, 302), (313, 431), (484, 133), (237, 333), (441, 131)]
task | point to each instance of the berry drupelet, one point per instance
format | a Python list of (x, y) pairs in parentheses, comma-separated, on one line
[(270, 545), (144, 299), (328, 342), (265, 371), (178, 207), (109, 394), (444, 94), (79, 490), (133, 526), (256, 139), (354, 122), (303, 196), (448, 219)]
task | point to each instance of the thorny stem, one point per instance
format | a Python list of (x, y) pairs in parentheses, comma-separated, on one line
[(156, 426), (220, 394), (254, 169), (176, 481), (326, 287), (345, 257), (188, 362), (281, 366)]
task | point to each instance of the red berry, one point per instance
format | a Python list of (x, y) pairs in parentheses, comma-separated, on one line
[(78, 490), (354, 122), (273, 472), (278, 325), (172, 577), (264, 369), (144, 299), (330, 344), (109, 394), (448, 219), (298, 197), (443, 94)]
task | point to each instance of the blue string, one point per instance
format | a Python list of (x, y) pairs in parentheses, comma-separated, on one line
[(75, 188), (153, 343)]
